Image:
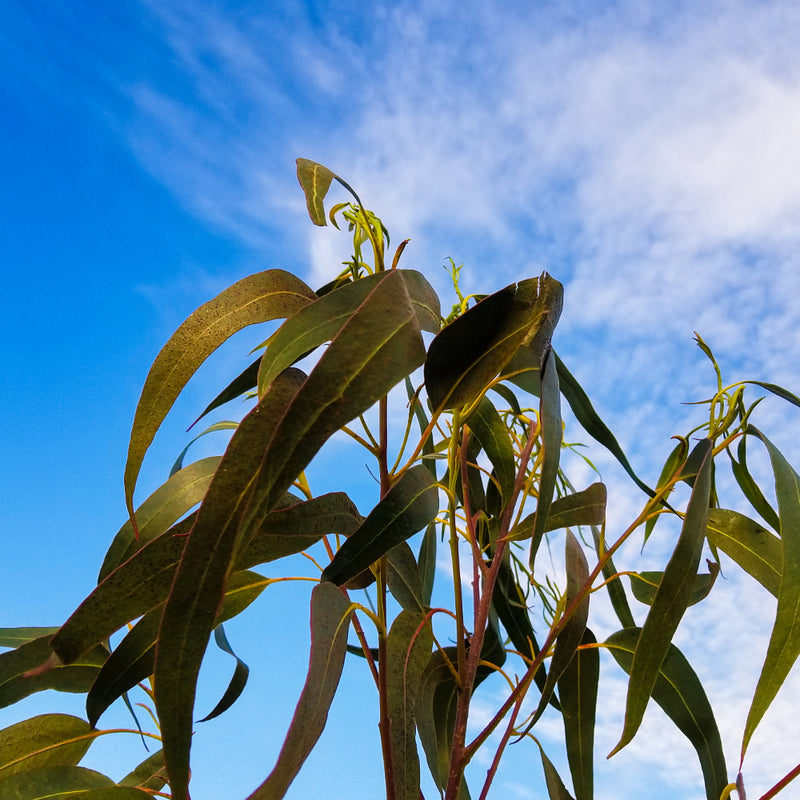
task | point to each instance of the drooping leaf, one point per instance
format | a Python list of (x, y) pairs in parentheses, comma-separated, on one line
[(408, 651), (784, 642), (589, 420), (674, 460), (222, 425), (753, 548), (258, 298), (245, 381), (474, 348), (65, 783), (750, 489), (550, 421), (330, 616), (491, 432), (405, 509), (167, 504), (680, 694), (671, 600), (577, 692), (321, 321), (613, 583), (315, 181), (238, 679), (587, 507), (571, 634), (133, 659), (16, 683), (403, 578), (644, 585), (42, 741), (784, 394)]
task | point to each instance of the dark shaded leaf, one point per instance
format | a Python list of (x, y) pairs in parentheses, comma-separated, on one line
[(472, 350), (671, 600), (405, 509), (403, 578), (555, 786), (238, 679), (244, 382), (678, 691), (784, 394), (408, 651), (330, 616), (750, 488), (491, 432)]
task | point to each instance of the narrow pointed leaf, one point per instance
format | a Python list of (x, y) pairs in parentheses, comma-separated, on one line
[(550, 420), (330, 616), (577, 692), (409, 649), (167, 504), (403, 578), (614, 587), (671, 600), (405, 509), (258, 298), (749, 544), (750, 489), (674, 460), (491, 432), (785, 394), (555, 786), (574, 628), (238, 679), (680, 694), (222, 425), (45, 740), (644, 585), (14, 637), (472, 350), (589, 420), (245, 381), (784, 642), (587, 507)]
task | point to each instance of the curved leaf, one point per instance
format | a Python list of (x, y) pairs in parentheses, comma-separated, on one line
[(672, 597), (65, 783), (678, 691), (150, 774), (644, 585), (258, 298), (330, 616), (784, 642), (490, 430), (405, 509), (315, 181), (238, 679), (752, 547)]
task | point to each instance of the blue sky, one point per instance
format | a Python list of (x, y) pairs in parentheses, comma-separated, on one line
[(646, 154)]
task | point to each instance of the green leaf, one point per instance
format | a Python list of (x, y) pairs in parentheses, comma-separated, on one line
[(405, 509), (750, 488), (490, 430), (577, 692), (258, 298), (644, 585), (245, 381), (680, 694), (19, 676), (550, 420), (65, 783), (784, 394), (408, 651), (674, 460), (14, 637), (133, 659), (555, 786), (315, 181), (784, 642), (470, 352), (45, 740), (589, 420), (222, 425), (753, 548), (572, 633), (330, 616), (403, 578), (587, 507), (322, 320), (614, 587), (672, 598), (150, 774), (181, 492)]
